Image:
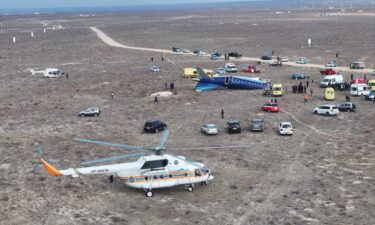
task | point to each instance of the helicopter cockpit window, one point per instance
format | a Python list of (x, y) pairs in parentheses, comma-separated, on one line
[(155, 164), (198, 173)]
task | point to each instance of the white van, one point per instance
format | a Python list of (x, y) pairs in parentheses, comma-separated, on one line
[(359, 89), (336, 79)]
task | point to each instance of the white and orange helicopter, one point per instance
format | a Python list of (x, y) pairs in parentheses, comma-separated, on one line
[(154, 169)]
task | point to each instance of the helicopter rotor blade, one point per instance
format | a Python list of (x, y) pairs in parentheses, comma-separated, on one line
[(163, 139), (212, 147), (112, 158), (132, 147), (41, 150)]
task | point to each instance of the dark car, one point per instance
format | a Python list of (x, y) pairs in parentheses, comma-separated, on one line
[(266, 57), (154, 126), (348, 107), (234, 126), (299, 76), (215, 53), (257, 124), (176, 49)]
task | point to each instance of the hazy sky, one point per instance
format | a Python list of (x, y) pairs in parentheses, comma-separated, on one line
[(92, 3)]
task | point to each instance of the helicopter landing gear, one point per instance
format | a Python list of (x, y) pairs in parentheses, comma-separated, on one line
[(149, 193), (189, 187), (204, 183)]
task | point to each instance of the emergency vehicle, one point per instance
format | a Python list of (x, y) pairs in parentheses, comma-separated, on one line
[(359, 87)]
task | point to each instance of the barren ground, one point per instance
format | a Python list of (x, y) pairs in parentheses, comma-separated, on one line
[(323, 174)]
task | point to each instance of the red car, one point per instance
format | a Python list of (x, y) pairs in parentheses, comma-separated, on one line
[(328, 71), (270, 107), (250, 69)]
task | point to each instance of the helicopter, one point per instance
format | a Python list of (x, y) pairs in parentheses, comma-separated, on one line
[(154, 169)]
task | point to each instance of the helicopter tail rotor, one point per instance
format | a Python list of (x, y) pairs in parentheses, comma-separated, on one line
[(47, 163)]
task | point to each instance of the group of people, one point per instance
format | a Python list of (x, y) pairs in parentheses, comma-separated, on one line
[(299, 88), (171, 85)]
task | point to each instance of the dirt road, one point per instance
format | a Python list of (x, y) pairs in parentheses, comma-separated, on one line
[(109, 41)]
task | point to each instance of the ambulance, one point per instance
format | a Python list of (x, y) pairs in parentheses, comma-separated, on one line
[(359, 87), (329, 94), (277, 90)]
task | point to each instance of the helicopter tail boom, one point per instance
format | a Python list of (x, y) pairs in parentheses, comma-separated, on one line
[(51, 169)]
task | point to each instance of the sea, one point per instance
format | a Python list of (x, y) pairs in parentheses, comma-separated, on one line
[(155, 7)]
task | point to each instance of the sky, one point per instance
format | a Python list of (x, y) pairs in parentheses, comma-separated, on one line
[(10, 4)]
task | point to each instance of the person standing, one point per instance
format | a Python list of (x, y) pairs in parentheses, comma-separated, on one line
[(222, 113), (337, 55), (66, 75), (275, 101), (171, 85), (351, 76), (112, 95), (156, 99), (305, 98), (166, 86), (347, 98), (162, 59), (311, 92), (307, 83), (152, 59)]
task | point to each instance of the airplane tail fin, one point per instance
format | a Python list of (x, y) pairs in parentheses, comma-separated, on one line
[(202, 75)]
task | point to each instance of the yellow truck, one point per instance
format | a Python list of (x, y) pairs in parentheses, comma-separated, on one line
[(329, 94), (277, 90), (193, 73)]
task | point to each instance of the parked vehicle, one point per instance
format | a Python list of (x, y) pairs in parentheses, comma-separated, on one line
[(370, 96), (214, 57), (209, 72), (234, 54), (302, 61), (285, 128), (328, 110), (329, 94), (185, 50), (270, 107), (348, 107), (328, 71), (284, 59), (266, 57), (209, 129), (90, 111), (277, 90), (154, 126), (299, 76), (250, 69), (190, 72), (234, 126), (332, 80), (154, 69), (359, 89), (176, 49), (220, 70), (331, 64), (199, 52), (276, 63), (357, 65), (371, 84), (257, 124), (230, 68), (215, 53)]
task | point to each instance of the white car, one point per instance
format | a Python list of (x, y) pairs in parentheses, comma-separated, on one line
[(328, 110), (230, 68), (285, 128), (284, 59), (154, 69), (209, 129), (90, 111)]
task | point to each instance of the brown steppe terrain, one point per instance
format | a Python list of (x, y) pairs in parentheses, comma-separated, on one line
[(323, 174)]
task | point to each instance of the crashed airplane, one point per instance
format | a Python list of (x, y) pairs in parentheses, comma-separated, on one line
[(207, 83)]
